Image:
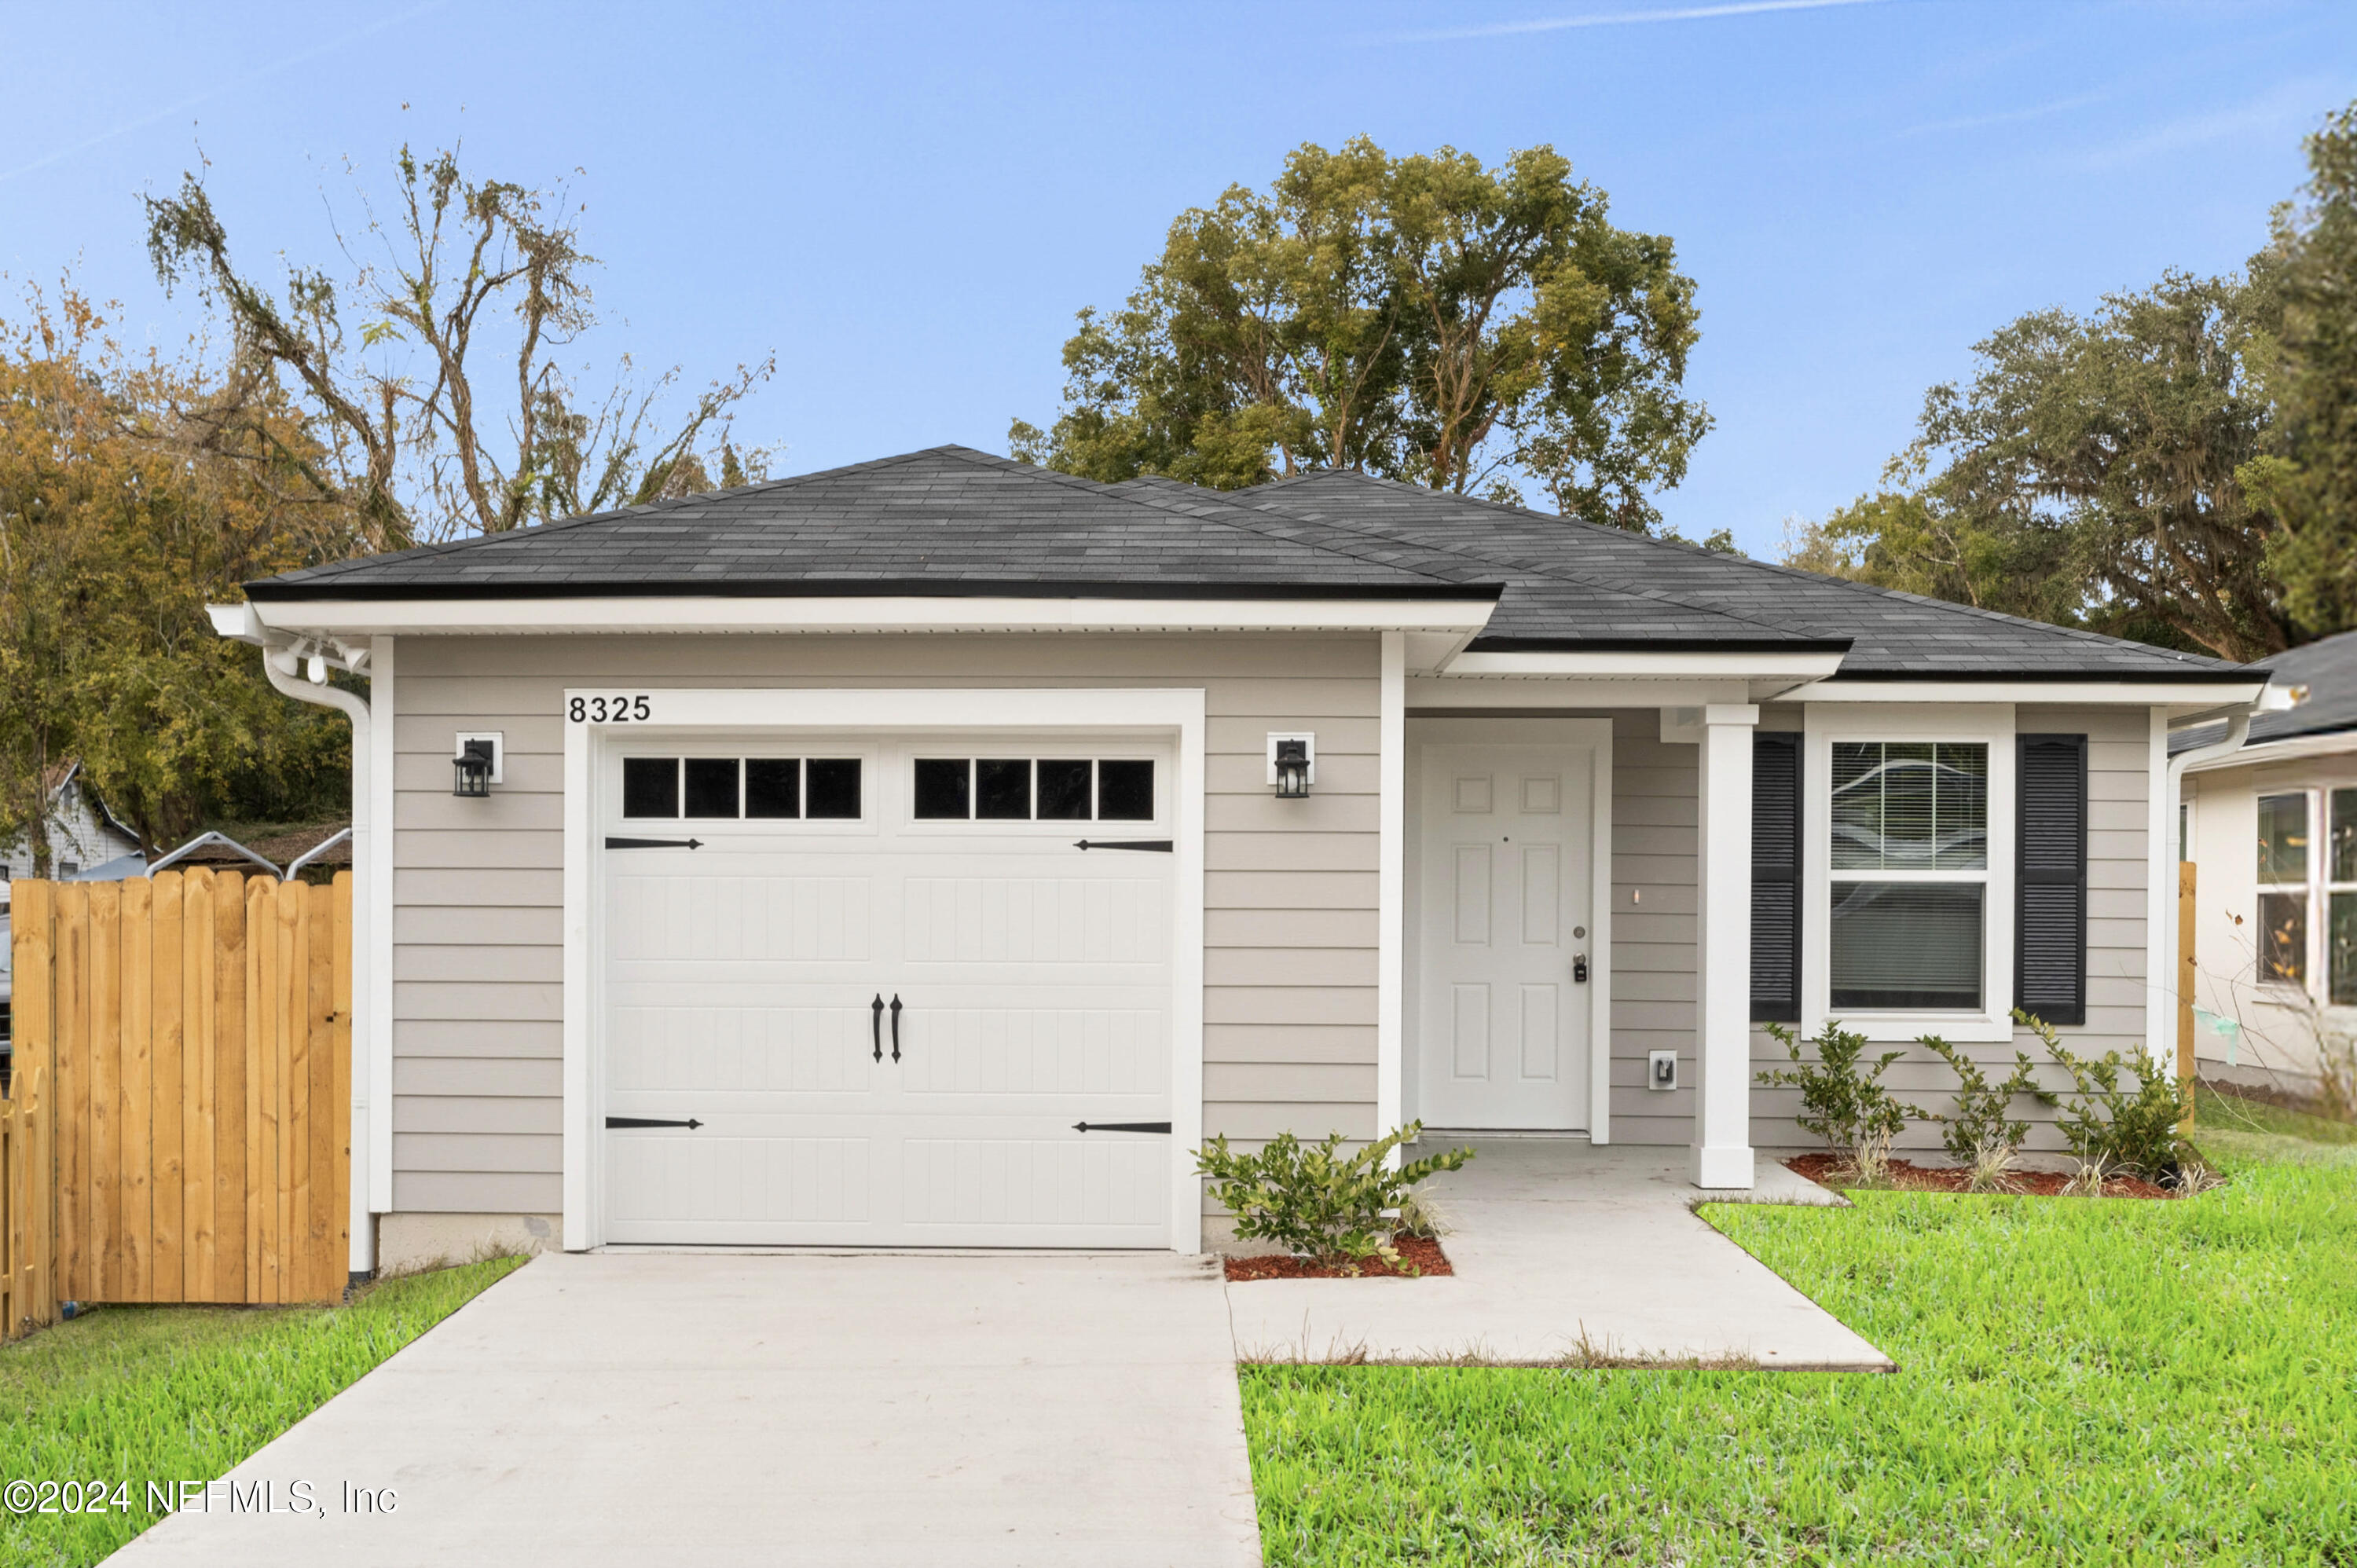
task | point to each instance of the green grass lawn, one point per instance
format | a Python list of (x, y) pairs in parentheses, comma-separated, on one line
[(2079, 1381), (135, 1394)]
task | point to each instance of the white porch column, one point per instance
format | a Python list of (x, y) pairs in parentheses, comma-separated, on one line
[(1722, 1117)]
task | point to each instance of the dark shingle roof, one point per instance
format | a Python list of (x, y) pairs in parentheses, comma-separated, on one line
[(1592, 570), (2327, 668), (947, 520), (953, 520)]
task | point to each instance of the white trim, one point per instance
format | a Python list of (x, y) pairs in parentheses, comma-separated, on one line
[(2293, 748), (1991, 725), (1596, 735), (1639, 664), (2160, 898), (677, 613), (2076, 693), (1720, 1155), (1427, 692), (383, 710), (1391, 882), (1176, 709)]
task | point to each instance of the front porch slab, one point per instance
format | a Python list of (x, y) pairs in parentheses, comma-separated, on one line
[(1565, 1253)]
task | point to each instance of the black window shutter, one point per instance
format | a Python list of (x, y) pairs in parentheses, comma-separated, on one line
[(2049, 936), (1775, 876)]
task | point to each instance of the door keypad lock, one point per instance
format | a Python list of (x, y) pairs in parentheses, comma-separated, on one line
[(1580, 969)]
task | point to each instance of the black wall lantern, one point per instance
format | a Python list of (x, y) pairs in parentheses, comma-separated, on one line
[(471, 770), (1292, 767)]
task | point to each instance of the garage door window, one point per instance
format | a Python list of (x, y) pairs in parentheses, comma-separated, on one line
[(1043, 789), (747, 788)]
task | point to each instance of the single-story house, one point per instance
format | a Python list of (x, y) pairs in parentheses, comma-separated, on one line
[(82, 834), (2272, 828), (935, 851)]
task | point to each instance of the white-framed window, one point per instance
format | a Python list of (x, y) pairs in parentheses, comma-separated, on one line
[(2285, 869), (2307, 858), (1909, 852)]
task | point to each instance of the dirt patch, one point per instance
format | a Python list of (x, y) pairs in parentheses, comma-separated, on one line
[(1906, 1176), (1419, 1257)]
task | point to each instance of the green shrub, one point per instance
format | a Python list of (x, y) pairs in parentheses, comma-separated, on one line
[(1317, 1201), (1980, 1133), (1841, 1098), (2108, 1127)]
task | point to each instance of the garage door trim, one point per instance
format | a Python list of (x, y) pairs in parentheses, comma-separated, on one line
[(591, 713)]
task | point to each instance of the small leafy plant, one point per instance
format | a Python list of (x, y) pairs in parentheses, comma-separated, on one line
[(1980, 1134), (1320, 1201), (1841, 1098), (2109, 1127)]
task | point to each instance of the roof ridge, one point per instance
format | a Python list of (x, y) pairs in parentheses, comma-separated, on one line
[(1780, 567)]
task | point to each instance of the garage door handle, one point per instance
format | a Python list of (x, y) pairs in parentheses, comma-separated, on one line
[(1158, 847), (896, 1026), (875, 1027), (1121, 1126)]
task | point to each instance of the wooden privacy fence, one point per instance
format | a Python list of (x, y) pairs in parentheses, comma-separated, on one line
[(179, 1128)]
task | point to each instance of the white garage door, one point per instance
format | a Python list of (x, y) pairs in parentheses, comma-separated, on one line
[(867, 994)]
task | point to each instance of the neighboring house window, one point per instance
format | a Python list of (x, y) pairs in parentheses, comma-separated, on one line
[(2283, 888), (1910, 859), (2341, 909)]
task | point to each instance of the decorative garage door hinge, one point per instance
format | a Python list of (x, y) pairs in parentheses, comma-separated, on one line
[(1121, 1126), (648, 1122), (1159, 846), (654, 844)]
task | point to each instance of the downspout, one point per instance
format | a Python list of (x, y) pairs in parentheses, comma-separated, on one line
[(2238, 730), (283, 666)]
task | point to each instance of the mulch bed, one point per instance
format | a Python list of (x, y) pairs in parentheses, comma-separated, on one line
[(1419, 1255), (1906, 1176)]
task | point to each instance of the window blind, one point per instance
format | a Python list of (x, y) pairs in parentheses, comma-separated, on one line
[(1775, 877), (2049, 940)]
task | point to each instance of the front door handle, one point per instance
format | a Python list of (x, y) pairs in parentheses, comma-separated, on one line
[(1580, 969), (876, 1028), (896, 1026)]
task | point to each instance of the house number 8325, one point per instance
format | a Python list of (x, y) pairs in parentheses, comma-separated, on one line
[(608, 710)]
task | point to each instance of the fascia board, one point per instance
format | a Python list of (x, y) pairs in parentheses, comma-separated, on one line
[(1643, 665), (2126, 692), (368, 617)]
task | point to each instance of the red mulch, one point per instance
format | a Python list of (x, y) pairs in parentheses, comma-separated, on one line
[(1418, 1255), (1907, 1175)]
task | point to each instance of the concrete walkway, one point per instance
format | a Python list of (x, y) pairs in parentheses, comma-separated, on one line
[(1565, 1251), (728, 1409)]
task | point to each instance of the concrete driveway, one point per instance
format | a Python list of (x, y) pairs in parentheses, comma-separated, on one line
[(779, 1409)]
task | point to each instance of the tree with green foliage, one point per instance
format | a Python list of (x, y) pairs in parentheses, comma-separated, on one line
[(2090, 474), (403, 397), (2309, 478), (131, 493), (1422, 318)]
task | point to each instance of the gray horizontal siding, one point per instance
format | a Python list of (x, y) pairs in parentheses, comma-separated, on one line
[(1289, 962)]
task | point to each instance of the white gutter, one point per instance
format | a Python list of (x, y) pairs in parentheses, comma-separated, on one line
[(281, 665), (2163, 945), (352, 622)]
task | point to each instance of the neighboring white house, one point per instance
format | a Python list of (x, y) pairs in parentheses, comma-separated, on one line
[(2272, 830), (936, 850), (82, 834)]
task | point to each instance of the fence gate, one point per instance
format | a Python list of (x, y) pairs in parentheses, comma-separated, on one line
[(180, 1126)]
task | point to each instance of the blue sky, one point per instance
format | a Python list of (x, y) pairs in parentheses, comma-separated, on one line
[(907, 203)]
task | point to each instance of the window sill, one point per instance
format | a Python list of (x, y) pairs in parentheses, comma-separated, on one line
[(1905, 1028)]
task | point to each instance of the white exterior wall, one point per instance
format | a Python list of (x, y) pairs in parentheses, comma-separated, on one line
[(2274, 1040)]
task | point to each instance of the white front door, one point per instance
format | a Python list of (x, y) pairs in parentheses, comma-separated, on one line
[(1503, 1021), (885, 1022)]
